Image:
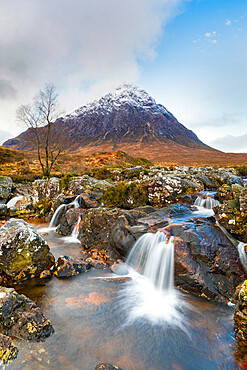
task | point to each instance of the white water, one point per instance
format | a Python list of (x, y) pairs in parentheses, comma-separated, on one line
[(12, 202), (150, 294), (60, 210), (57, 214), (73, 238), (242, 255), (208, 203)]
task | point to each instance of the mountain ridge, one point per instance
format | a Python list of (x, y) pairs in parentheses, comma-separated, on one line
[(128, 115)]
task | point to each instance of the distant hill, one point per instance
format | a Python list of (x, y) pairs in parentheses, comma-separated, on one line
[(127, 117)]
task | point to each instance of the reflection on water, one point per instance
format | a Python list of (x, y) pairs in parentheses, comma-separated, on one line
[(104, 320)]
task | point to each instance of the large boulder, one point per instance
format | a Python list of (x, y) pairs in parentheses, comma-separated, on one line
[(68, 220), (206, 261), (240, 322), (86, 183), (6, 188), (24, 254), (66, 267), (21, 318)]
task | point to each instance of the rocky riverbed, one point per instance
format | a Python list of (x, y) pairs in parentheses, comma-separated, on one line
[(97, 220)]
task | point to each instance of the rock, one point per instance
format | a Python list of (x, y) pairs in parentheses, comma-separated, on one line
[(8, 351), (85, 201), (206, 262), (232, 214), (3, 211), (46, 274), (68, 220), (240, 314), (67, 266), (107, 367), (120, 268), (24, 254), (80, 184), (21, 318), (46, 190), (6, 188)]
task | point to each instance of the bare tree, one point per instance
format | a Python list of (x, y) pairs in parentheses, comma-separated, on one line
[(40, 117)]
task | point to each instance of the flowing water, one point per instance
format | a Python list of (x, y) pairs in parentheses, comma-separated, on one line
[(137, 324)]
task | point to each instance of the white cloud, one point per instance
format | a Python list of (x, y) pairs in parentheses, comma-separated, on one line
[(208, 34), (85, 47), (228, 22), (231, 143)]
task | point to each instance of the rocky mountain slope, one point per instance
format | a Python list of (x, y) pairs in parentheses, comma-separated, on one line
[(128, 116)]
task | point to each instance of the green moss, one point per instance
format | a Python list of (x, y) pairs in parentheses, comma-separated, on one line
[(242, 170), (125, 196), (43, 207), (64, 181)]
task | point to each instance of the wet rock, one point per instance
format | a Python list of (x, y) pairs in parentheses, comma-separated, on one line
[(21, 318), (6, 188), (206, 262), (240, 314), (67, 266), (120, 268), (24, 254), (8, 351), (107, 367), (68, 221), (46, 274), (86, 202)]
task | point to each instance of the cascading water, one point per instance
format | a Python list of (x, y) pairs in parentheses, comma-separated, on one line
[(150, 294), (12, 202), (208, 203), (57, 214), (242, 255), (73, 238), (153, 257), (61, 209)]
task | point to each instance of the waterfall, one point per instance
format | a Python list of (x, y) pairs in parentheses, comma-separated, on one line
[(242, 255), (12, 202), (153, 257), (61, 209), (73, 238), (208, 203), (58, 213)]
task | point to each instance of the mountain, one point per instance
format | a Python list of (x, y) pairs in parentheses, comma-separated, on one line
[(126, 118)]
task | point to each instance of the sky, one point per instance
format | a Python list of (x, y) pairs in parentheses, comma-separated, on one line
[(190, 55)]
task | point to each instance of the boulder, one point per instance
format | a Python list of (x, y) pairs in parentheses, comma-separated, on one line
[(45, 189), (24, 254), (80, 184), (21, 318), (206, 261), (68, 220), (8, 351), (6, 188), (67, 266), (240, 323)]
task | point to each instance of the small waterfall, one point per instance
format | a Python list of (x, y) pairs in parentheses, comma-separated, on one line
[(57, 214), (208, 203), (61, 209), (12, 202), (242, 255), (73, 238), (153, 257)]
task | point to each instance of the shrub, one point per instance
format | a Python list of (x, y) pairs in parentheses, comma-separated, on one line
[(125, 196)]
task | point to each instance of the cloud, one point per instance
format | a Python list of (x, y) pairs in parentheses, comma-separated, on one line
[(231, 143), (84, 47), (7, 90), (4, 136), (228, 22)]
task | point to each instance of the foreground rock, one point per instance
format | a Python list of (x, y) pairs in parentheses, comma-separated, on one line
[(206, 262), (24, 254), (21, 318), (8, 351)]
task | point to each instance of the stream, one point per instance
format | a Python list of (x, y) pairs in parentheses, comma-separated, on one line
[(101, 317)]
